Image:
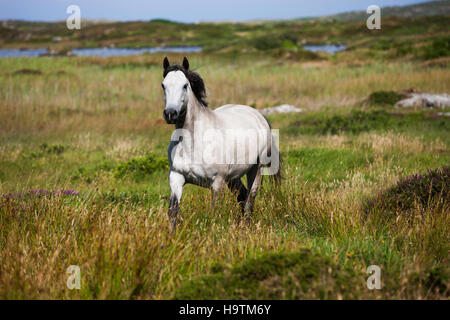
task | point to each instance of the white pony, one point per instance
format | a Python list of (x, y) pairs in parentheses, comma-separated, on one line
[(213, 148)]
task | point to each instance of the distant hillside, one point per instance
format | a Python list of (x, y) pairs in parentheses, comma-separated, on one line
[(415, 34), (432, 8)]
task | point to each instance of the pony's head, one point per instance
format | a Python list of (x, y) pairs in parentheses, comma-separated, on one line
[(178, 82)]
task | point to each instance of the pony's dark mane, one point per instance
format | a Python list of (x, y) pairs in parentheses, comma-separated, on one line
[(196, 82)]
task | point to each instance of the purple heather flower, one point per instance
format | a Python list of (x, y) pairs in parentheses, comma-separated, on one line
[(67, 192)]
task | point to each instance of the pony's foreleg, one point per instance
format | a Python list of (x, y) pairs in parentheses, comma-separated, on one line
[(217, 188), (176, 181), (254, 180)]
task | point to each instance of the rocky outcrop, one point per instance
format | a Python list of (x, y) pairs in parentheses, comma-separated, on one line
[(425, 100), (284, 108)]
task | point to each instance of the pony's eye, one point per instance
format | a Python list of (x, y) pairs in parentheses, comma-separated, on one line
[(185, 86), (162, 85)]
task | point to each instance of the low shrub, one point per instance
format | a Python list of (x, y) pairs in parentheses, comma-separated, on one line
[(382, 98), (282, 275), (432, 188)]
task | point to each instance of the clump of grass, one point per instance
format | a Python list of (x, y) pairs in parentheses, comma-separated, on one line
[(355, 122), (41, 193), (273, 276), (436, 279), (53, 149), (88, 173), (27, 71), (46, 149), (430, 189), (358, 121), (142, 198), (298, 54), (139, 167), (383, 98)]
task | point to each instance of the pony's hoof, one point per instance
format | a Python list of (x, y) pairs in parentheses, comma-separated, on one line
[(174, 222), (247, 219)]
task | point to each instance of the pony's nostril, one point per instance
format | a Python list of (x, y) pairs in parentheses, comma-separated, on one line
[(170, 114)]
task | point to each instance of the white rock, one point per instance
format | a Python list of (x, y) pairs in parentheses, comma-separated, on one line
[(425, 100), (284, 108)]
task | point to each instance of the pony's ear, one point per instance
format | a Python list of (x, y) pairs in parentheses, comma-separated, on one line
[(186, 64), (166, 63)]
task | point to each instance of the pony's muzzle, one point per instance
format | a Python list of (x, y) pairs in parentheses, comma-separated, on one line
[(171, 115)]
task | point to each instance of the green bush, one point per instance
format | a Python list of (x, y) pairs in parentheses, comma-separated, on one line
[(385, 98), (404, 49), (139, 167), (283, 275), (272, 40), (438, 48), (264, 43), (289, 45)]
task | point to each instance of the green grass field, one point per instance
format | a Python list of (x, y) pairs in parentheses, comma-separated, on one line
[(95, 126)]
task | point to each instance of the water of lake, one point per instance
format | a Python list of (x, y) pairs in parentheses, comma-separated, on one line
[(8, 53), (99, 52), (325, 48), (109, 52)]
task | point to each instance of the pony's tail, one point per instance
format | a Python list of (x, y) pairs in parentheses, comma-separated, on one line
[(277, 177)]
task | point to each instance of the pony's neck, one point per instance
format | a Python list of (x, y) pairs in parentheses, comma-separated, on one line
[(195, 111)]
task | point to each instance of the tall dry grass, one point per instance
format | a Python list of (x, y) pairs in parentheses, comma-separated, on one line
[(103, 112)]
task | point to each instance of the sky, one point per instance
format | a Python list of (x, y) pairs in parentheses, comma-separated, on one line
[(185, 10)]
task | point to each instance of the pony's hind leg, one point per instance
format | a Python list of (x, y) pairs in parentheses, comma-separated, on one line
[(236, 186), (253, 182)]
